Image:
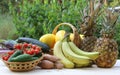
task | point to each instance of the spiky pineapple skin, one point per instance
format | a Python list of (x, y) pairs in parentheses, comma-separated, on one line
[(88, 43), (108, 49)]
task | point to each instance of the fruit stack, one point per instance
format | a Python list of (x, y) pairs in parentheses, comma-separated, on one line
[(71, 56), (69, 53), (104, 53)]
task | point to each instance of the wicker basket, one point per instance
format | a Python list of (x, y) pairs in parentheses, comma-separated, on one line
[(77, 40), (22, 66)]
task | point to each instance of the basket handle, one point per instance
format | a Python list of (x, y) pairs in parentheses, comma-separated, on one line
[(77, 39)]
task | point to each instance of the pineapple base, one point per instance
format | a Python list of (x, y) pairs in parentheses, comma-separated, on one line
[(108, 49)]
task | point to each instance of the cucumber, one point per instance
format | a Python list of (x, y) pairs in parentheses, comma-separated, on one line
[(17, 53), (45, 48), (34, 58), (22, 58)]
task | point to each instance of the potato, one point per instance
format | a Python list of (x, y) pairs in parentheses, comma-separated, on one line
[(59, 65), (46, 64), (50, 57)]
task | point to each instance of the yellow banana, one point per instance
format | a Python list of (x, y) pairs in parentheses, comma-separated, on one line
[(74, 48), (83, 65), (58, 52), (77, 59)]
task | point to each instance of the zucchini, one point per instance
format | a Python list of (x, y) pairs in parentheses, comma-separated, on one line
[(22, 58), (17, 53), (45, 48)]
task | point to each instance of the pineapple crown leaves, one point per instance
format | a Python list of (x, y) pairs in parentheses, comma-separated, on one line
[(90, 15), (109, 21)]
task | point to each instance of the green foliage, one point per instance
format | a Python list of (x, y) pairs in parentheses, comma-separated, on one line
[(117, 35), (4, 6), (7, 28), (115, 3), (36, 18)]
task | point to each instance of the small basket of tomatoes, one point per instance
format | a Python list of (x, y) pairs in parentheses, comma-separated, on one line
[(24, 57)]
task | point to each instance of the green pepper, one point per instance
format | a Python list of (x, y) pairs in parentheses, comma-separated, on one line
[(22, 58), (17, 53)]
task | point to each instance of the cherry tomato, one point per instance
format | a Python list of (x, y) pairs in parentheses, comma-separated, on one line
[(18, 46), (11, 52), (5, 58), (34, 46), (38, 48), (36, 51), (33, 50), (25, 45), (29, 52)]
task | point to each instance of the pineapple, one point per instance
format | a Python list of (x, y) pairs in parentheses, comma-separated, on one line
[(87, 28), (106, 45)]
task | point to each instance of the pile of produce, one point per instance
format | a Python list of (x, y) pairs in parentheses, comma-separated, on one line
[(72, 51)]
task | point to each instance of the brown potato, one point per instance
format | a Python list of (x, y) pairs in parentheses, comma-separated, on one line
[(46, 64), (59, 65), (50, 57)]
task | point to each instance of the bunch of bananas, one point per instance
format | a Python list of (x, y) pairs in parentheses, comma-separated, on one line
[(71, 56)]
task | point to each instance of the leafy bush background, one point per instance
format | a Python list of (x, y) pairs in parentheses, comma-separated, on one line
[(38, 18)]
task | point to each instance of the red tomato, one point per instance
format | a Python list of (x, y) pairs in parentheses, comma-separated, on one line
[(11, 52), (25, 45), (33, 50), (29, 52), (38, 48), (5, 58), (36, 51), (18, 46), (34, 46)]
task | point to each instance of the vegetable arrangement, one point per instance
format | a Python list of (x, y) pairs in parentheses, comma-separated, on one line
[(23, 52), (28, 49)]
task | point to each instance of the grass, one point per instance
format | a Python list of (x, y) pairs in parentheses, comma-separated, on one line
[(7, 27)]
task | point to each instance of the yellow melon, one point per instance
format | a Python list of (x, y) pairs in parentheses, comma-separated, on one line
[(48, 39), (59, 35)]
